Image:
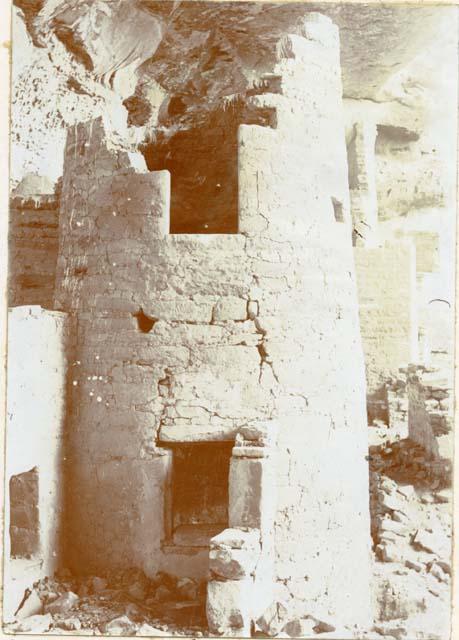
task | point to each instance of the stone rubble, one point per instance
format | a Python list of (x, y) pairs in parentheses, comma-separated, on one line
[(123, 603)]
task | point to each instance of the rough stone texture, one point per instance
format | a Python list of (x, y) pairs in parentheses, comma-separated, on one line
[(34, 440), (195, 366), (33, 624), (362, 183), (63, 603), (32, 606), (407, 178), (229, 607), (24, 517), (429, 414), (33, 246), (412, 535), (234, 553), (387, 288), (273, 619)]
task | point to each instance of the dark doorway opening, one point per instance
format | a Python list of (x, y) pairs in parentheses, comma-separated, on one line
[(198, 493)]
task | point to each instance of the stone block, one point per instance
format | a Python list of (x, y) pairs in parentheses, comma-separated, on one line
[(261, 432), (234, 538), (408, 491), (230, 308), (319, 28), (187, 589), (71, 624), (433, 543), (245, 492), (64, 603), (252, 309), (387, 551), (392, 503), (228, 607), (121, 626), (34, 624), (272, 621), (98, 584), (32, 606), (387, 524), (137, 591), (149, 631), (232, 564)]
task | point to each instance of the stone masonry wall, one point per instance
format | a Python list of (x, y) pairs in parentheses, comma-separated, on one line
[(33, 247), (34, 442), (190, 337), (387, 297)]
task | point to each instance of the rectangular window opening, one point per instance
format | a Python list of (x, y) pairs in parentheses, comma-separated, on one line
[(197, 505)]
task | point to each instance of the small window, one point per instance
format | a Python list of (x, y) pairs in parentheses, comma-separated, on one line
[(24, 520)]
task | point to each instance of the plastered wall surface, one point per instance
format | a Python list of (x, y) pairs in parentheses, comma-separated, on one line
[(238, 325), (34, 436)]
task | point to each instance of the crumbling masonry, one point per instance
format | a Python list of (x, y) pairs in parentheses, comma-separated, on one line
[(234, 325)]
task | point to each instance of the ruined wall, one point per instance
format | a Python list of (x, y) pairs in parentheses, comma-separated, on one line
[(33, 247), (362, 183), (188, 338), (34, 441), (386, 279), (409, 175)]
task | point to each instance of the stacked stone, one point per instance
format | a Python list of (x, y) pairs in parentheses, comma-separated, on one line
[(438, 406), (241, 557), (33, 248), (24, 522), (430, 414), (191, 338), (397, 403), (410, 462), (411, 529)]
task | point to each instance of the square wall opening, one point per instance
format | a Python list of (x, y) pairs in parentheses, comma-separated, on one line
[(203, 165), (197, 501)]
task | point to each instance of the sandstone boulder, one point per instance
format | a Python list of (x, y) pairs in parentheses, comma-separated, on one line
[(121, 626), (64, 603), (34, 624), (32, 606), (273, 619)]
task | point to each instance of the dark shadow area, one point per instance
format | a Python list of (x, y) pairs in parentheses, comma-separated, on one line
[(408, 463)]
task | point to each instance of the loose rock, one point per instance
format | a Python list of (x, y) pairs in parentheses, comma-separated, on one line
[(63, 603)]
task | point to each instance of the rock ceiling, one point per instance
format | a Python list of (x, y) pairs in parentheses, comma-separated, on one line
[(221, 42)]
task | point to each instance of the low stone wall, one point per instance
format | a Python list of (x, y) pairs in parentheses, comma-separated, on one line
[(36, 392)]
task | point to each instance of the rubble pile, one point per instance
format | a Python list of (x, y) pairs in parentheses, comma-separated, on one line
[(413, 443), (438, 401), (410, 504), (405, 461), (125, 603), (412, 540), (397, 407)]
